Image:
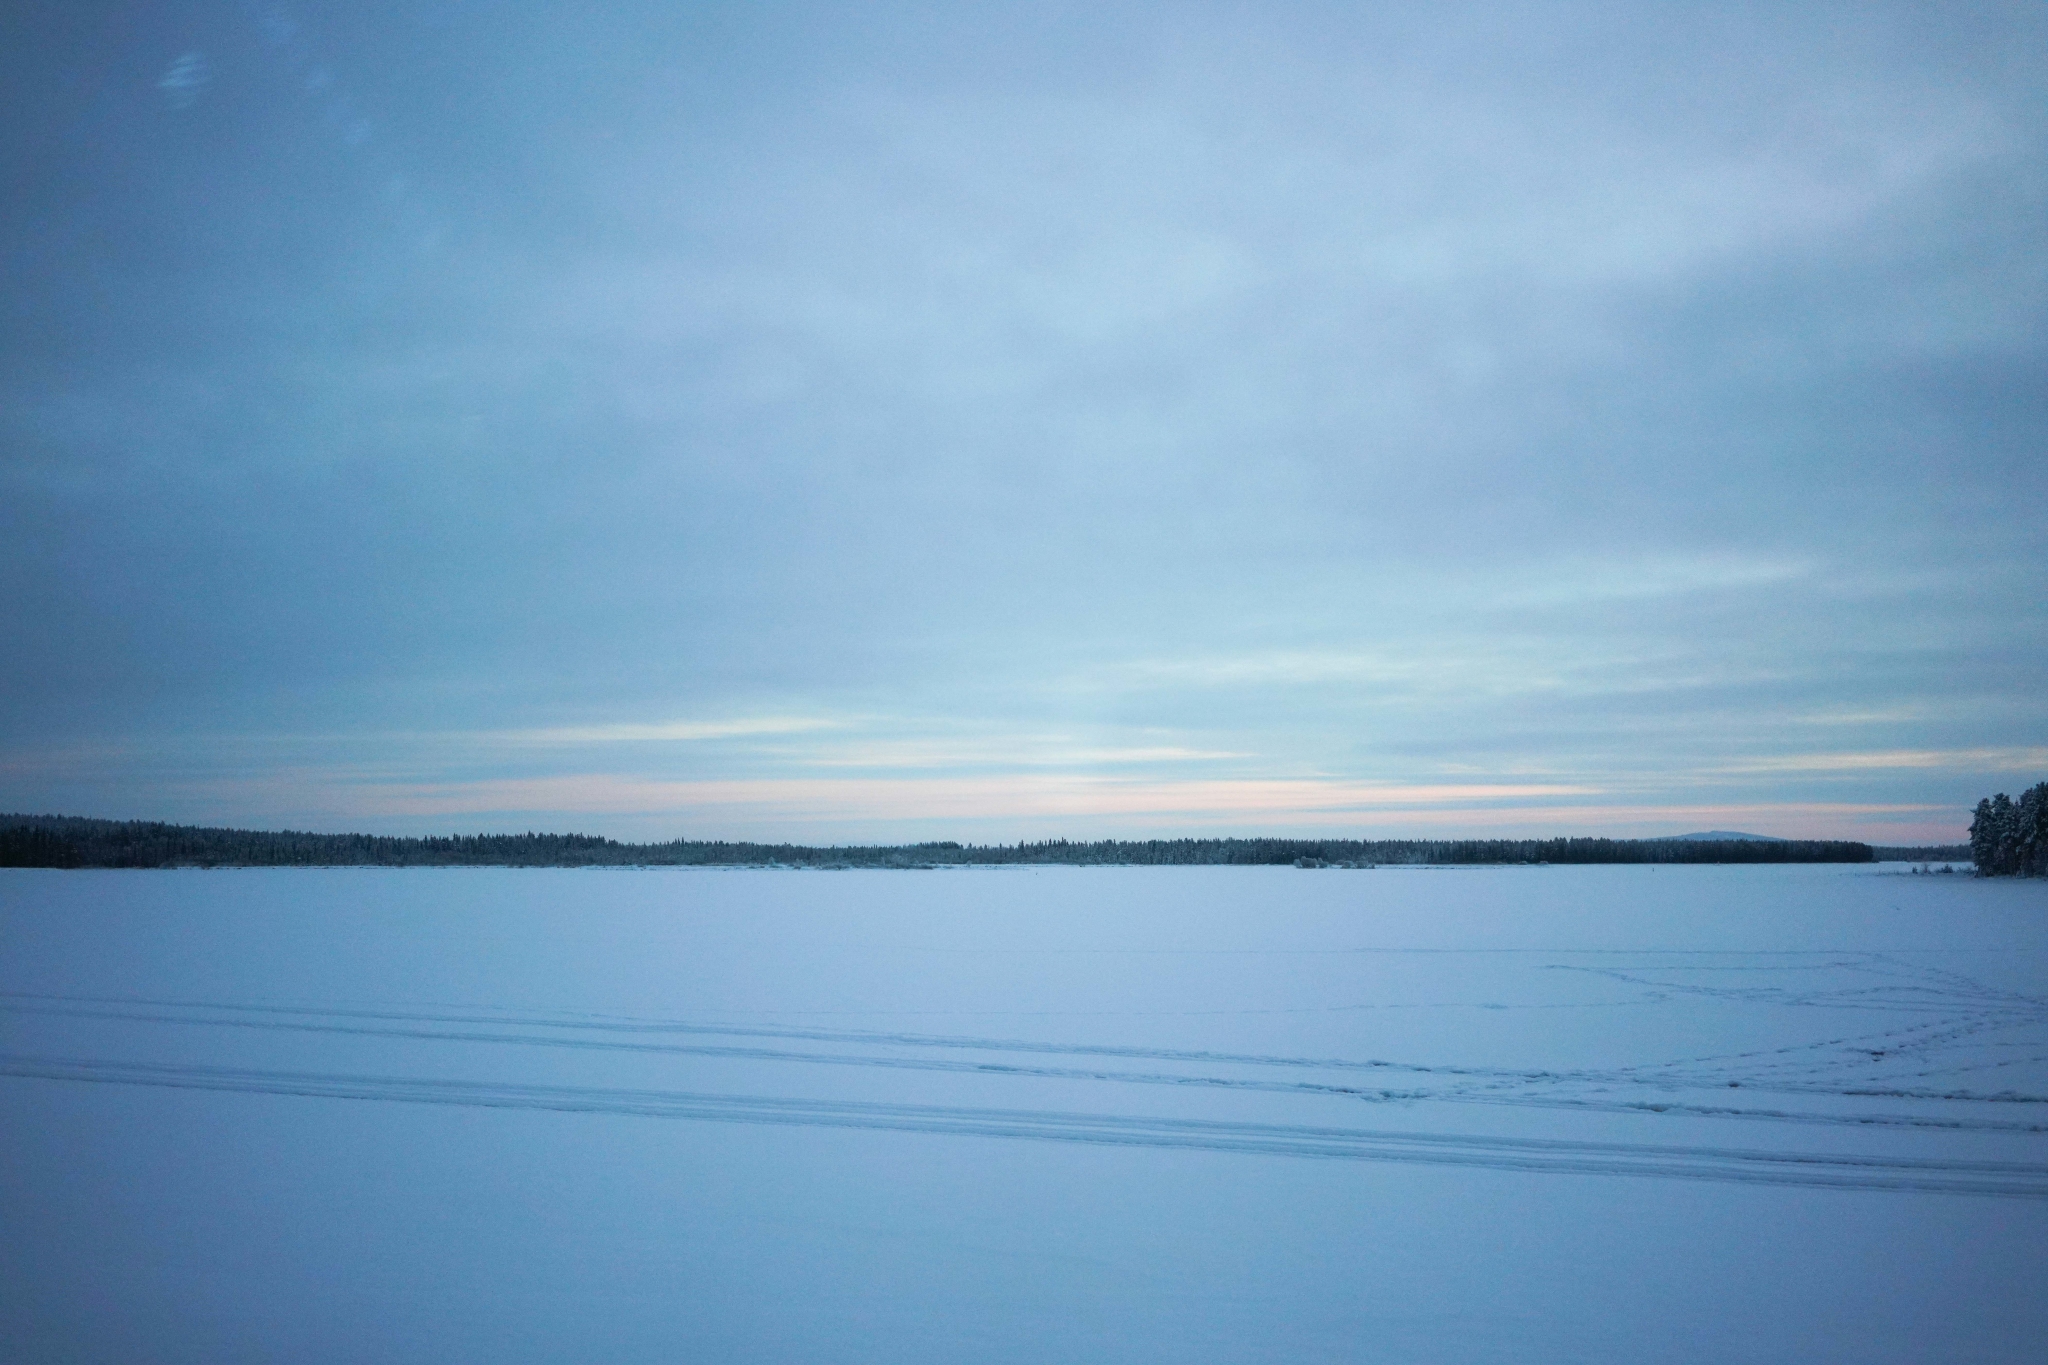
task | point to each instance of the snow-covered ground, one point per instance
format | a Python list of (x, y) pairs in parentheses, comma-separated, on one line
[(1057, 1114)]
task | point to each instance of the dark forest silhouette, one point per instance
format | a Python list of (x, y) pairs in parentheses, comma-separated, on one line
[(75, 841)]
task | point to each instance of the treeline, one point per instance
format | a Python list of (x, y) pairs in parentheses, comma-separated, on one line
[(2009, 838), (1921, 853), (75, 841)]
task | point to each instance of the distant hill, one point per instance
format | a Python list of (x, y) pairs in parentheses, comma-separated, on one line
[(1723, 836)]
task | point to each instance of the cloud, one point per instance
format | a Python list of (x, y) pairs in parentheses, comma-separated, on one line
[(1037, 805), (1023, 796), (1992, 760), (1649, 577), (1568, 398), (1007, 752), (660, 732)]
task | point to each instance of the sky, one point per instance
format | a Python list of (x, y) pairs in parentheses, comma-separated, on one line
[(851, 423)]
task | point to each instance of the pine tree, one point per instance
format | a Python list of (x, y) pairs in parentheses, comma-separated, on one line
[(2010, 838)]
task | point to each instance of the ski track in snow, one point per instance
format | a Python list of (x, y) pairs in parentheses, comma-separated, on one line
[(1738, 1165), (1945, 1042)]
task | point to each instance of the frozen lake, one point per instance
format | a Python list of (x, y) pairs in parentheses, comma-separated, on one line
[(1056, 1114)]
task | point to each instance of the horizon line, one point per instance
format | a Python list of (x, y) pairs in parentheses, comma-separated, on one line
[(24, 819)]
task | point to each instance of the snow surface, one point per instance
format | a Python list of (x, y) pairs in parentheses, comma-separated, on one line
[(1052, 1114)]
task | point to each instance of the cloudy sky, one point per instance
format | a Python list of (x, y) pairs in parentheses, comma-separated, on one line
[(854, 422)]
